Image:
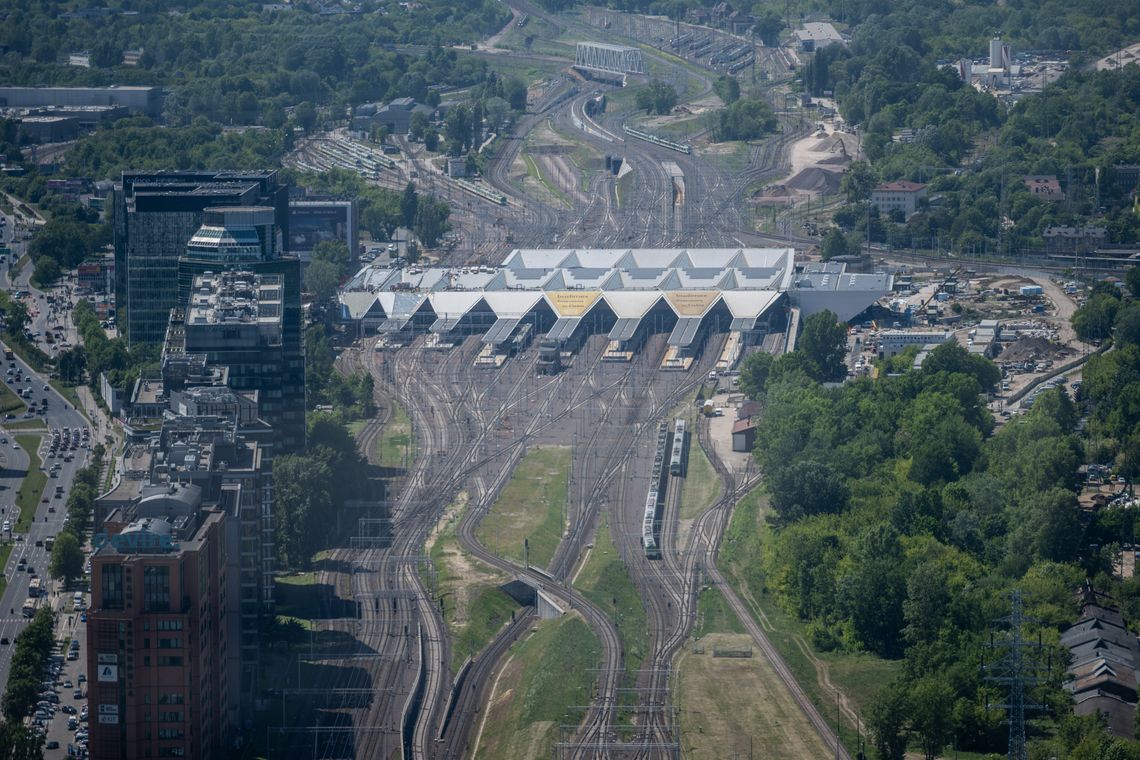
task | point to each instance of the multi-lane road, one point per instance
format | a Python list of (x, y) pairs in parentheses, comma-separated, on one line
[(14, 460)]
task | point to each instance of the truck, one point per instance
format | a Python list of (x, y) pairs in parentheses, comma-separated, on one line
[(8, 354), (29, 608)]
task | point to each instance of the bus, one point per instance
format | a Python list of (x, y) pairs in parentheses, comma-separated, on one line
[(35, 586), (29, 607)]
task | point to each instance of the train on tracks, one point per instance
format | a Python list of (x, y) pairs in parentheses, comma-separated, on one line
[(650, 524), (677, 460), (482, 191), (652, 138)]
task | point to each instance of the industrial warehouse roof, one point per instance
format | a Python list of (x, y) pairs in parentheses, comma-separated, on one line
[(629, 282)]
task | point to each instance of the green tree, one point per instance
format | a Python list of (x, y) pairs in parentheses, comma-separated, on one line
[(47, 271), (431, 221), (931, 711), (872, 589), (67, 557), (1095, 319), (334, 252), (952, 358), (17, 316), (887, 721), (656, 97), (409, 204), (927, 603), (727, 88), (1127, 326), (303, 507), (306, 116), (806, 488), (754, 373), (768, 26), (858, 181), (72, 363), (1132, 280), (834, 244), (745, 119), (321, 279), (823, 339)]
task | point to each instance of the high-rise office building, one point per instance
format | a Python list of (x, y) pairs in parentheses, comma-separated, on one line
[(156, 214), (157, 634), (247, 321)]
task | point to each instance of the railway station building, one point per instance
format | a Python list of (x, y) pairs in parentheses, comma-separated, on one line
[(566, 295)]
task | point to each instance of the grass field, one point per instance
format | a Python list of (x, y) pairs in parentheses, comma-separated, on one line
[(730, 706), (25, 425), (605, 581), (857, 676), (10, 403), (5, 552), (530, 507), (32, 487), (396, 441), (547, 672), (714, 615), (474, 608), (701, 482)]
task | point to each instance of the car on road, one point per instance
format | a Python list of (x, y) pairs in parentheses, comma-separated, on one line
[(5, 641), (52, 744)]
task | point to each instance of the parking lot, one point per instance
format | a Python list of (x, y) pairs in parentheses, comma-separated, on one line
[(62, 710)]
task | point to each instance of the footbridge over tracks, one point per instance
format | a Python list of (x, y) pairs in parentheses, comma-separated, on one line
[(600, 56)]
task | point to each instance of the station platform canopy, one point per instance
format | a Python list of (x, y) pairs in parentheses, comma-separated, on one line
[(501, 331), (625, 328), (685, 332), (563, 328), (566, 285)]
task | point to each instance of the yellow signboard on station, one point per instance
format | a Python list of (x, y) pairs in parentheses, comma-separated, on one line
[(691, 303), (572, 303)]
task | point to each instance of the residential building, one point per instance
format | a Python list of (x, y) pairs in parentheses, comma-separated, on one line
[(900, 195), (1044, 186), (816, 35), (156, 214), (96, 276), (984, 338), (157, 633), (892, 342), (249, 322), (396, 117), (220, 463), (144, 100), (1103, 658)]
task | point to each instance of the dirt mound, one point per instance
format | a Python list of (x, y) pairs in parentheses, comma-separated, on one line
[(1028, 349), (835, 160), (815, 180)]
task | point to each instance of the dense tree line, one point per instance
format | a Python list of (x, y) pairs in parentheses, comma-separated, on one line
[(744, 119), (33, 646), (383, 210), (899, 521), (311, 488), (351, 396), (235, 63), (67, 555)]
